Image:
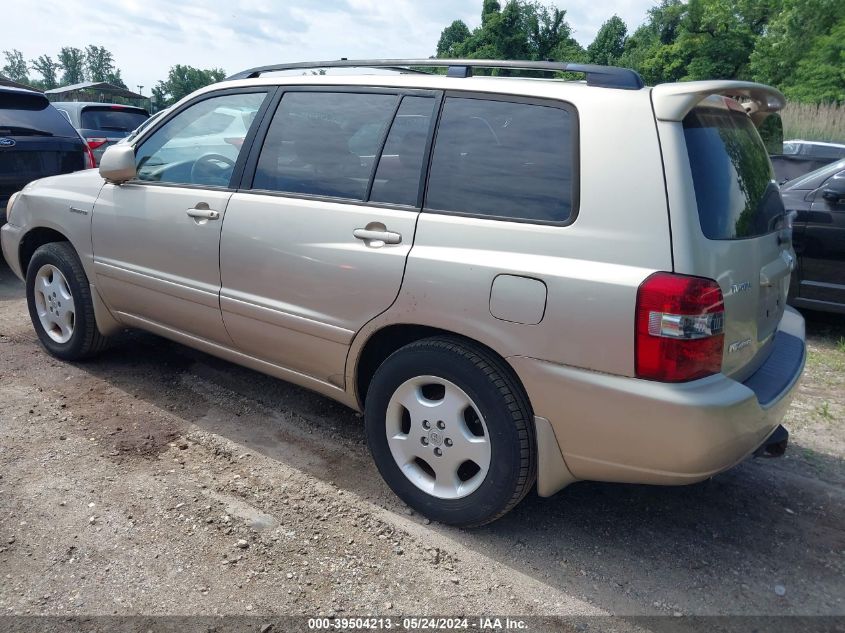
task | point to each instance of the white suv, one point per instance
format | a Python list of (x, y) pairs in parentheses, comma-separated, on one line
[(516, 280)]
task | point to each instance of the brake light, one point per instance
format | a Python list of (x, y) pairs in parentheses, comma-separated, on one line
[(679, 328), (95, 142), (90, 161)]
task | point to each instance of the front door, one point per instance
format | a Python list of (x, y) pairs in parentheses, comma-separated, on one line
[(156, 239), (314, 246)]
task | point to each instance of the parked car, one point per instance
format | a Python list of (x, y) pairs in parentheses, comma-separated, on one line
[(814, 149), (35, 141), (102, 124), (818, 200), (507, 292), (802, 157)]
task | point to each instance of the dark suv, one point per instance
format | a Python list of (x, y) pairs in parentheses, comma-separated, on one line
[(35, 141), (102, 124)]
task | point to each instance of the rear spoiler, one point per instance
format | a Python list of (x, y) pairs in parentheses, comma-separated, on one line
[(672, 102)]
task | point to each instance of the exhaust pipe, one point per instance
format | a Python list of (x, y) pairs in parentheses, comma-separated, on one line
[(775, 444)]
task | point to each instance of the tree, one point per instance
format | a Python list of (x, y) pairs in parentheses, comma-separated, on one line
[(16, 68), (72, 63), (452, 39), (47, 68), (609, 43), (99, 63), (182, 81), (802, 51)]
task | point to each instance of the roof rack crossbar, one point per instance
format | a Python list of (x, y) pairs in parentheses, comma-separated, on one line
[(596, 75)]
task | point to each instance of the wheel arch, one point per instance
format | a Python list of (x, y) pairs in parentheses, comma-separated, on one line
[(386, 340), (35, 238)]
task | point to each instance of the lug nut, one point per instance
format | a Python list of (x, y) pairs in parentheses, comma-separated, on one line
[(438, 452), (447, 441), (424, 441), (441, 424), (426, 424)]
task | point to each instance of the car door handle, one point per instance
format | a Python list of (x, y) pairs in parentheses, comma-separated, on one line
[(203, 214), (369, 235)]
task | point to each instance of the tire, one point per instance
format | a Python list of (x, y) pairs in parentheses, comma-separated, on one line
[(59, 299), (430, 408)]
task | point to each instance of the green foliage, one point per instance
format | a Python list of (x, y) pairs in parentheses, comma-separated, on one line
[(47, 68), (72, 63), (182, 81), (609, 44), (452, 39), (16, 68), (519, 30), (99, 63)]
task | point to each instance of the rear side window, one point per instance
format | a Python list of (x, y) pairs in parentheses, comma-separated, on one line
[(112, 119), (23, 114), (504, 160), (734, 184), (324, 143), (397, 179)]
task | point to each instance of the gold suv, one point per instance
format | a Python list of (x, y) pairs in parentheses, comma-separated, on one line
[(517, 280)]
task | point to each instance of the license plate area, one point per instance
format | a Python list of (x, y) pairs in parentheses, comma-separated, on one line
[(771, 308)]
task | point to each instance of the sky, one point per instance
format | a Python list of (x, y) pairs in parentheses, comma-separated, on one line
[(147, 37)]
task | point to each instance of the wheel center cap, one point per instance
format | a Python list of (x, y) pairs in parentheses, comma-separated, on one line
[(435, 438)]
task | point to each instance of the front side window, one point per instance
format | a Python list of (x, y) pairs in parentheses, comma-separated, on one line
[(324, 143), (504, 160), (200, 145)]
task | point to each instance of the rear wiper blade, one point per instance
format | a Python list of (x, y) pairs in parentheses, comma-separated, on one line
[(22, 131)]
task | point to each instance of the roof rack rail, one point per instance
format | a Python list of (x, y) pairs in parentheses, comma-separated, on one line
[(596, 75)]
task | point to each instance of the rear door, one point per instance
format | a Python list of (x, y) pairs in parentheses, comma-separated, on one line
[(739, 238), (314, 243), (823, 240), (35, 141)]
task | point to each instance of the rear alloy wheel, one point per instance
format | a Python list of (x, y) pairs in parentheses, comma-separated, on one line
[(451, 431), (59, 299)]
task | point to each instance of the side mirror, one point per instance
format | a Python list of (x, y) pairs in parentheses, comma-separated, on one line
[(118, 164), (834, 191)]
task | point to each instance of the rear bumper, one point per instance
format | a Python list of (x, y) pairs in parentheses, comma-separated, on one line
[(615, 428)]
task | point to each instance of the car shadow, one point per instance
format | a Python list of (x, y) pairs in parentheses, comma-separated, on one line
[(726, 545)]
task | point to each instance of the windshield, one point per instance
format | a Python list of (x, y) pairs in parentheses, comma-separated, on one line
[(734, 185)]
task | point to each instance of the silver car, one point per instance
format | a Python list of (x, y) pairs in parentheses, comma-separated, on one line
[(517, 281)]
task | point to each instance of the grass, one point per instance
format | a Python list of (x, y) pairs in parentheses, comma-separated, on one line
[(825, 122)]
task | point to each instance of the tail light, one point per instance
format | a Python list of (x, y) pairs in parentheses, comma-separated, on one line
[(95, 142), (90, 161), (679, 328)]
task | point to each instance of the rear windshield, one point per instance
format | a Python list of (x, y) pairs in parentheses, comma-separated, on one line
[(112, 119), (23, 114), (734, 185)]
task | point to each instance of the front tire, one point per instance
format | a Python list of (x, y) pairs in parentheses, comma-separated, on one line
[(59, 299), (451, 431)]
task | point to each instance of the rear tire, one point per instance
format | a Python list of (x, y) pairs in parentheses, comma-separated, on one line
[(451, 431), (58, 296)]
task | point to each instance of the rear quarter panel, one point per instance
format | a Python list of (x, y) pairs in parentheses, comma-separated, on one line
[(591, 268)]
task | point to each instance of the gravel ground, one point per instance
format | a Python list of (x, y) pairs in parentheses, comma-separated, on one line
[(159, 480)]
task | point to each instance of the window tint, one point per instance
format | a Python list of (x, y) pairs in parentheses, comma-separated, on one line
[(734, 185), (502, 159), (324, 143), (200, 145), (28, 114), (117, 119), (400, 166)]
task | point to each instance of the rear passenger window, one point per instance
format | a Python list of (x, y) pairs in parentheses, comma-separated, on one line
[(324, 143), (504, 160), (398, 177)]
